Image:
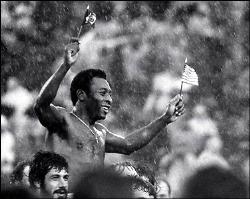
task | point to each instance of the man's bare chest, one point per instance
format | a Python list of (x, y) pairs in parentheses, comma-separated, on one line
[(77, 139), (81, 132)]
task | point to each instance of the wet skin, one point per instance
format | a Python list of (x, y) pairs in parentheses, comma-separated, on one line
[(77, 136), (74, 140)]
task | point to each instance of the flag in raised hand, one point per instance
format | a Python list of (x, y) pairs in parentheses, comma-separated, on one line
[(189, 75)]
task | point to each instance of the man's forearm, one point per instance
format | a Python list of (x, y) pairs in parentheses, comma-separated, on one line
[(50, 88), (143, 136)]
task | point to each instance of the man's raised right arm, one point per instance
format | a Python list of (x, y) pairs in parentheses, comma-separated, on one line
[(47, 113)]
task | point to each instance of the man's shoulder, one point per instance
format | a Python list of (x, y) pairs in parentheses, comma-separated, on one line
[(63, 112)]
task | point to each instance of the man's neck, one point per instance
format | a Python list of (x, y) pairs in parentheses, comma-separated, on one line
[(81, 112)]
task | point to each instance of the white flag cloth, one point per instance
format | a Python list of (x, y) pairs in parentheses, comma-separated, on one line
[(189, 76)]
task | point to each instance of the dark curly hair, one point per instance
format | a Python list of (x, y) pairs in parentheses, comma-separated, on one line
[(42, 163), (83, 80), (144, 172), (17, 174)]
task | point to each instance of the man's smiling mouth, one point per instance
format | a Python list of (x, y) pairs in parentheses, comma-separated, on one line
[(105, 108), (61, 192)]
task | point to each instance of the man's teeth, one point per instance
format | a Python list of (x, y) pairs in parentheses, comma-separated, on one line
[(61, 192), (105, 108)]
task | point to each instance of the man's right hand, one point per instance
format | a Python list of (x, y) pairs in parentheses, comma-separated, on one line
[(71, 52)]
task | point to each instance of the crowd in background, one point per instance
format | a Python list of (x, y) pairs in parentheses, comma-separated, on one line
[(22, 136)]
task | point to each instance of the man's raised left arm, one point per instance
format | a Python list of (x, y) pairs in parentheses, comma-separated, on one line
[(142, 136)]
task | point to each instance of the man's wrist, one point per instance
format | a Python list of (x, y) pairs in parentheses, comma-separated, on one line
[(167, 119), (67, 64)]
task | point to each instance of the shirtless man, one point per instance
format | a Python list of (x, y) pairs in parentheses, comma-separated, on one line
[(76, 134)]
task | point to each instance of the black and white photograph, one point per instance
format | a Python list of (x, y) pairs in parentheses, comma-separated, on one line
[(124, 99)]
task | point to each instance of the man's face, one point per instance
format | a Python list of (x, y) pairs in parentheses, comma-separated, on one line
[(56, 183), (100, 99), (25, 179)]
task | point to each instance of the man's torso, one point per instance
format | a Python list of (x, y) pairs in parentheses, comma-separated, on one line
[(84, 148)]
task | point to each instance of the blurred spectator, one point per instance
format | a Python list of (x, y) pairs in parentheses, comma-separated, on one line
[(214, 182), (211, 154), (49, 175), (133, 52), (177, 167), (200, 134), (17, 96), (20, 99), (7, 147), (20, 174), (200, 123), (103, 183)]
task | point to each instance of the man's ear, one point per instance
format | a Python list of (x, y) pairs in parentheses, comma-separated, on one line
[(81, 95)]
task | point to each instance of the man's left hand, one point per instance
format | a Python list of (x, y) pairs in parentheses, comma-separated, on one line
[(175, 109)]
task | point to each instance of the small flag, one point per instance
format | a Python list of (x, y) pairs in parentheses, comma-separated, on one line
[(189, 75)]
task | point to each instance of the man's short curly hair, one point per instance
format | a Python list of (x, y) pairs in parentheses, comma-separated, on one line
[(83, 80), (42, 163)]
